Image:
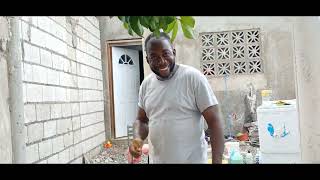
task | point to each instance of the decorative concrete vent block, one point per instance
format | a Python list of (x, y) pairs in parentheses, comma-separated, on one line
[(231, 53)]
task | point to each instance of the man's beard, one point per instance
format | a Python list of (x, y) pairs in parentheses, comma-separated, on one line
[(158, 74)]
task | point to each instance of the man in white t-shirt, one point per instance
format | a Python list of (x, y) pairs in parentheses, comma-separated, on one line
[(171, 102)]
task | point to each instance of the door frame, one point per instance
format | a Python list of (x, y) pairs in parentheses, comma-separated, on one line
[(109, 73)]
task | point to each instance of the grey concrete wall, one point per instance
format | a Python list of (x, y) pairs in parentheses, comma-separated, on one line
[(307, 55), (63, 88), (5, 124), (277, 55)]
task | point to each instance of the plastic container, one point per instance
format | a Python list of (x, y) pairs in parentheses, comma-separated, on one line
[(236, 157), (266, 96), (249, 158)]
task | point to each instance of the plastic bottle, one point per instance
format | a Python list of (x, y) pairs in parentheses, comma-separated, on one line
[(249, 158), (236, 157), (266, 96)]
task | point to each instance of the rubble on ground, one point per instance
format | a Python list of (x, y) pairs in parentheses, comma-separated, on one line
[(117, 154)]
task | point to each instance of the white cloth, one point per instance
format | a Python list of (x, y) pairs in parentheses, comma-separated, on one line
[(174, 106)]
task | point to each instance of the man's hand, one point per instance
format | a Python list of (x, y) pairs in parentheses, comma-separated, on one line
[(135, 148)]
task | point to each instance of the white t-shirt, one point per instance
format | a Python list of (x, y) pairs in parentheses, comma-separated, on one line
[(174, 109)]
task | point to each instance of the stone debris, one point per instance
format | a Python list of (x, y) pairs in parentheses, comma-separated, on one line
[(253, 133), (117, 154)]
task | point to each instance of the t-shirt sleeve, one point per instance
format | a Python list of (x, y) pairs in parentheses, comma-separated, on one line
[(141, 96), (204, 95)]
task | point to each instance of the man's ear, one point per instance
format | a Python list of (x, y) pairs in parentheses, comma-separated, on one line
[(147, 59)]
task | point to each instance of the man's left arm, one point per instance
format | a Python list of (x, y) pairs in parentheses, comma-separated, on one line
[(211, 115)]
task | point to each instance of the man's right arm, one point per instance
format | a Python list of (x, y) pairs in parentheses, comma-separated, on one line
[(140, 126), (140, 133)]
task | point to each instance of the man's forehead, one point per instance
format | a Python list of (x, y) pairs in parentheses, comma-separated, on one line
[(159, 42)]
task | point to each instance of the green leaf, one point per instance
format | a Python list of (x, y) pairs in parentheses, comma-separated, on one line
[(136, 26), (188, 20), (169, 19), (156, 20), (187, 31), (125, 25), (161, 21), (122, 18), (130, 30), (174, 31), (170, 26), (144, 21), (127, 19), (157, 33), (152, 24)]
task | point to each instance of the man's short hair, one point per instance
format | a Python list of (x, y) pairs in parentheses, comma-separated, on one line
[(152, 35)]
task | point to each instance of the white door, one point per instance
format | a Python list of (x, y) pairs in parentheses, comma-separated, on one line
[(126, 82)]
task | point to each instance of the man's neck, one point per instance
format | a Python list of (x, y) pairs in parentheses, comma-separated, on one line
[(176, 66)]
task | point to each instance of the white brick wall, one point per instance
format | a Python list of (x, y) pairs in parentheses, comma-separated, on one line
[(66, 110), (68, 95), (99, 85), (74, 95), (28, 72), (66, 64), (91, 107), (35, 132), (100, 116), (56, 111), (64, 125), (53, 159), (75, 109), (68, 139), (62, 98), (73, 67), (24, 30), (83, 108), (43, 111), (44, 23), (64, 156), (92, 95), (53, 77), (29, 113), (77, 161), (24, 92), (32, 153), (31, 53), (95, 106), (71, 153), (45, 58), (78, 150), (92, 130), (60, 94), (57, 144), (77, 136), (57, 62), (37, 37), (50, 128), (48, 93), (34, 93), (34, 20), (76, 123), (45, 148), (88, 119), (40, 74)]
